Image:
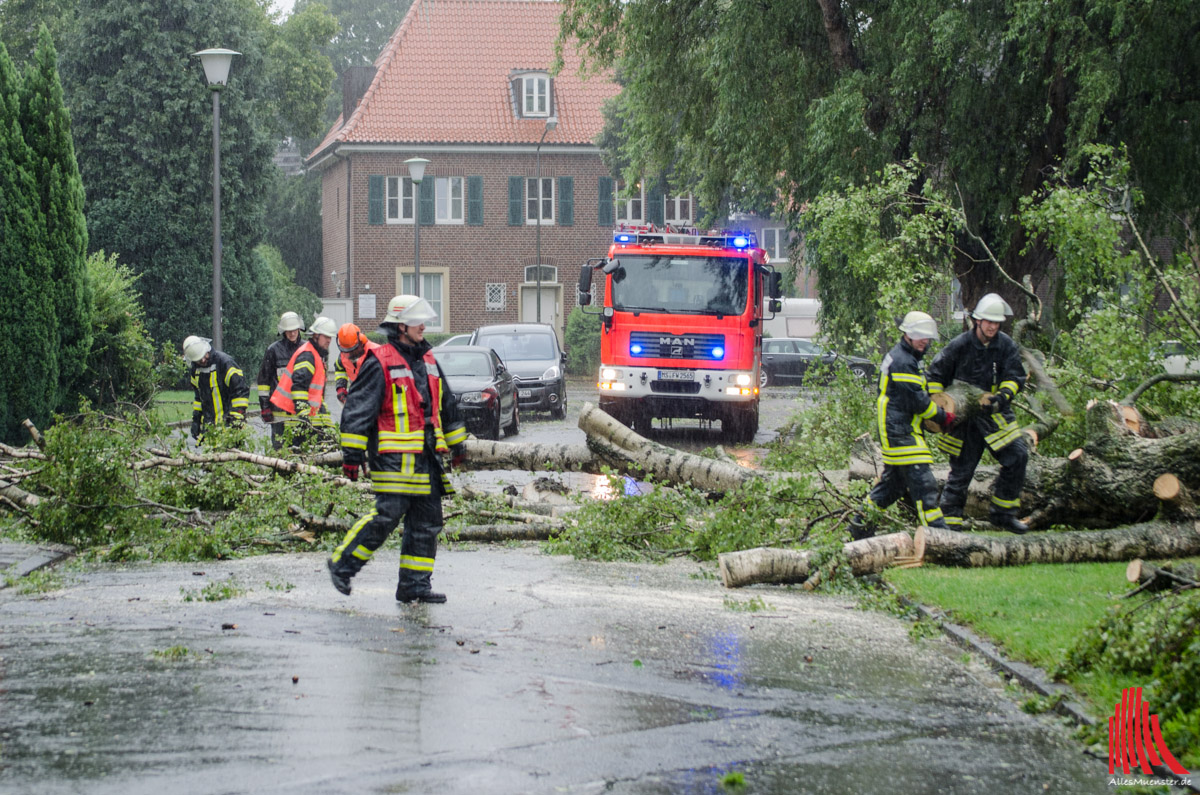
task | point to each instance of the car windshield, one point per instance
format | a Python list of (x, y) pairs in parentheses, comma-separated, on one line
[(810, 348), (464, 363), (520, 346), (690, 285)]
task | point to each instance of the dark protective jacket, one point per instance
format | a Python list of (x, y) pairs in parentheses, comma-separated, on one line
[(996, 368), (401, 416), (902, 404), (274, 363), (221, 393), (300, 392)]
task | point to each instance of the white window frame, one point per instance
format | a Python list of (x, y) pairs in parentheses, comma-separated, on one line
[(779, 251), (546, 202), (494, 296), (549, 274), (625, 208), (433, 290), (449, 201), (400, 200), (535, 95), (673, 207)]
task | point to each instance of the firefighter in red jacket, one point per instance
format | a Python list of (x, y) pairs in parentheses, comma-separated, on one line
[(300, 393), (353, 346), (400, 417), (220, 392)]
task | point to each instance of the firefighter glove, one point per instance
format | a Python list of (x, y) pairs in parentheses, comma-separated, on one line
[(950, 420), (350, 471), (237, 420), (268, 416), (341, 394), (458, 457)]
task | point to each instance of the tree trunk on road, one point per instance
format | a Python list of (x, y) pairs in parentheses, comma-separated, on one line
[(781, 566)]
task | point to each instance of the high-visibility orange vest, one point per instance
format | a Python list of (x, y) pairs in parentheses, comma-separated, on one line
[(352, 366), (284, 398)]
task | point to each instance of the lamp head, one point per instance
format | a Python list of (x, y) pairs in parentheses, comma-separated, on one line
[(416, 168), (216, 65), (551, 123)]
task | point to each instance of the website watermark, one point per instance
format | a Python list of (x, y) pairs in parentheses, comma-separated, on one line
[(1135, 745)]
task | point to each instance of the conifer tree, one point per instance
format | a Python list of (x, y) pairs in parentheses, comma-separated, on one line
[(29, 354), (46, 127)]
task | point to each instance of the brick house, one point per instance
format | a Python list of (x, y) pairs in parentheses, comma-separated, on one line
[(512, 169)]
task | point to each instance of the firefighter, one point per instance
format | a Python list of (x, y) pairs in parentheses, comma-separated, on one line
[(274, 364), (989, 359), (901, 406), (402, 418), (220, 391), (300, 393), (353, 346)]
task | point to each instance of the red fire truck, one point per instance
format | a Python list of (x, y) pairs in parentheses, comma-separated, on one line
[(682, 326)]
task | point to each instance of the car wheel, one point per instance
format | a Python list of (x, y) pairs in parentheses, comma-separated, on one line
[(859, 372), (763, 378), (559, 411), (515, 426)]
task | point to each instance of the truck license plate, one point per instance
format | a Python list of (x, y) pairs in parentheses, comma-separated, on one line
[(524, 393), (676, 375)]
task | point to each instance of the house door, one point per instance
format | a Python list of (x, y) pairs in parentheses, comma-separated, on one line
[(551, 304)]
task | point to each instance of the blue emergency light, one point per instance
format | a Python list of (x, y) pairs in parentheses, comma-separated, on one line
[(718, 352), (635, 349), (741, 242), (624, 238)]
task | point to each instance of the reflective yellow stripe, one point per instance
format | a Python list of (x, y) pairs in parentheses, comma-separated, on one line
[(350, 535), (354, 441), (456, 435), (909, 378), (263, 390), (240, 402), (930, 411), (1011, 386), (908, 460), (953, 521), (948, 443), (415, 563), (1006, 503), (229, 374), (928, 516), (196, 405), (218, 404), (304, 366), (934, 387)]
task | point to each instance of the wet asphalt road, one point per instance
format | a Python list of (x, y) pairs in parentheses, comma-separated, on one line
[(540, 675)]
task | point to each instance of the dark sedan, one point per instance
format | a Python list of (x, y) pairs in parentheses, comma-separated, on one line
[(787, 360), (484, 388)]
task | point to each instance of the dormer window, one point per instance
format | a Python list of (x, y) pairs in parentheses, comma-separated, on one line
[(535, 95)]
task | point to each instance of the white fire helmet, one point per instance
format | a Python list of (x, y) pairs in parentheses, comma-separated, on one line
[(323, 325), (290, 321), (410, 310), (919, 326), (992, 307), (194, 348)]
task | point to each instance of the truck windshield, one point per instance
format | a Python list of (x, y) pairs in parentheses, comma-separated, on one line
[(696, 285)]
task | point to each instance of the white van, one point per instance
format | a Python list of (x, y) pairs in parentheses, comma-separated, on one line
[(798, 318)]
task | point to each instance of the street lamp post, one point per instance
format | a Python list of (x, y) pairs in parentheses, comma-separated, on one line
[(551, 123), (416, 170), (216, 71)]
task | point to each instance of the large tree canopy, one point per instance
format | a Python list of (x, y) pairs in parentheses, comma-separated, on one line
[(787, 99)]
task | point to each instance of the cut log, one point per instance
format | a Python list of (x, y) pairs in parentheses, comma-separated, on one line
[(19, 496), (1160, 578), (782, 566), (960, 399), (1147, 540), (1177, 500)]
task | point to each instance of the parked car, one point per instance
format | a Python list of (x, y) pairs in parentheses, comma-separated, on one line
[(531, 351), (485, 390), (786, 360), (457, 339)]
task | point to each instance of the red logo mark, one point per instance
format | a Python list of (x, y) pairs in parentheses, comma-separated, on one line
[(1134, 739)]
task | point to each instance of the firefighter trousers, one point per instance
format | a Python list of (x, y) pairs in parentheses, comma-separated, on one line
[(422, 517), (918, 482), (1006, 496)]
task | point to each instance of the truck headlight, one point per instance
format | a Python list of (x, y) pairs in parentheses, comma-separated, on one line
[(743, 379)]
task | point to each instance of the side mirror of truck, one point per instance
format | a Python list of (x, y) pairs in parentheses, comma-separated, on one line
[(585, 285), (774, 306), (775, 287)]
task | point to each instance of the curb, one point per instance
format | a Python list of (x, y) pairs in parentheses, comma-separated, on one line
[(29, 558)]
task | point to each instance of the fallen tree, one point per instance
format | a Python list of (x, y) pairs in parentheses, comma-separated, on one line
[(784, 566)]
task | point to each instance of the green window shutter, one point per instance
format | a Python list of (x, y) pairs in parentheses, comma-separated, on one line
[(604, 215), (426, 206), (566, 201), (474, 201), (516, 197), (654, 206), (375, 200)]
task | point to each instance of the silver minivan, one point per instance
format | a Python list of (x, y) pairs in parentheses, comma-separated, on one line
[(532, 354)]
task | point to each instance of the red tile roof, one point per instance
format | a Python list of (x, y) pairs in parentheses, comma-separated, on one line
[(444, 78)]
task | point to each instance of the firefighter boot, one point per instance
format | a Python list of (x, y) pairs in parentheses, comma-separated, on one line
[(1009, 522), (340, 581), (860, 528), (427, 596)]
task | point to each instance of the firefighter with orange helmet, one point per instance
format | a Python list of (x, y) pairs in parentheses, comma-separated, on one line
[(353, 345), (401, 418), (220, 392)]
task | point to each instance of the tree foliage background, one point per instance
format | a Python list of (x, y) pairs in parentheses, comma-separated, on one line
[(767, 104)]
